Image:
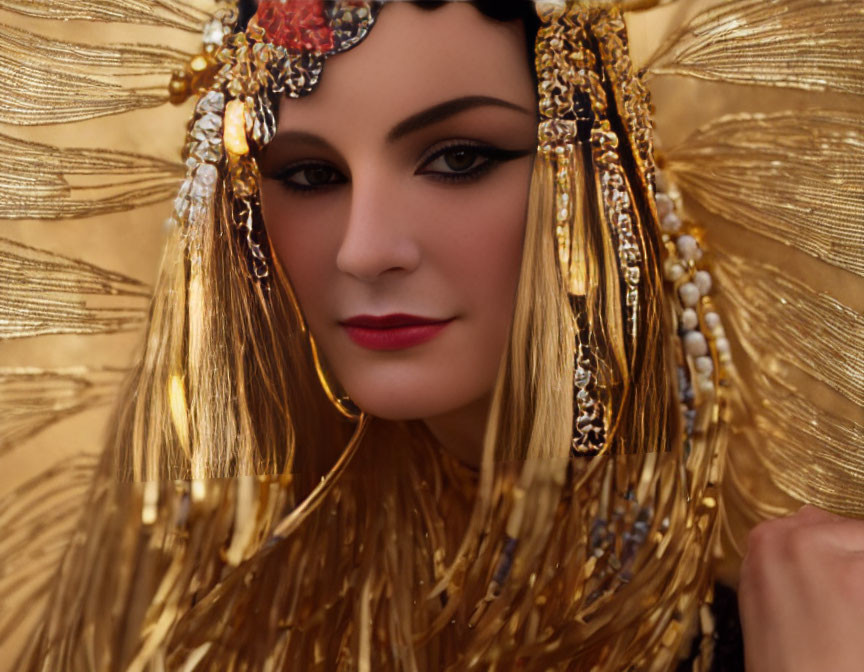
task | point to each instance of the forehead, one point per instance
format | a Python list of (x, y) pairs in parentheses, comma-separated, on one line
[(415, 58)]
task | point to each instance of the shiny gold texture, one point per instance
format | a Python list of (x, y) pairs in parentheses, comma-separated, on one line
[(771, 43), (40, 181), (788, 321), (34, 93), (792, 176), (44, 293), (32, 399), (180, 14)]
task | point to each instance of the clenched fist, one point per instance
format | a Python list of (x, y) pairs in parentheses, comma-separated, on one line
[(802, 594)]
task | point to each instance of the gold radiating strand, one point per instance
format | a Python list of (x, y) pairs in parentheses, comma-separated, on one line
[(37, 519), (31, 399), (41, 293), (34, 180), (792, 176), (781, 317), (34, 94), (803, 44), (165, 13), (59, 54), (810, 453)]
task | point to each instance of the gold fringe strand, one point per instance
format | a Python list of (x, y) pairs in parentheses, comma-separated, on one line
[(42, 293), (117, 59), (792, 176), (781, 318), (37, 519), (35, 94), (32, 399), (179, 14), (814, 45), (35, 184)]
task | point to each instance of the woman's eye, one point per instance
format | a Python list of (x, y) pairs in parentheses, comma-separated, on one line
[(456, 160), (310, 177), (464, 162)]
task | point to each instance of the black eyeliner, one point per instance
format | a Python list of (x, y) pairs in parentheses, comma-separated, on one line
[(494, 156)]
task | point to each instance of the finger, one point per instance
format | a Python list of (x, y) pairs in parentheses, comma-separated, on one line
[(811, 513)]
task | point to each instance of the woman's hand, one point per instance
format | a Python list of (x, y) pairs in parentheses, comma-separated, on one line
[(802, 594)]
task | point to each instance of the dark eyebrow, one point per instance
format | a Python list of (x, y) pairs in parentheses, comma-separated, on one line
[(445, 110), (304, 138), (433, 115)]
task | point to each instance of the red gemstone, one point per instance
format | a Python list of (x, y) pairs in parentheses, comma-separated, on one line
[(297, 25)]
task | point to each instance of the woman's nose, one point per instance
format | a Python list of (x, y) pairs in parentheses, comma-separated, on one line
[(380, 235)]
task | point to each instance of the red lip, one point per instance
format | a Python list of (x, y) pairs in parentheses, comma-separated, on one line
[(392, 332)]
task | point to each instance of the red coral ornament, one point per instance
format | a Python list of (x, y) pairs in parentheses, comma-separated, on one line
[(297, 25)]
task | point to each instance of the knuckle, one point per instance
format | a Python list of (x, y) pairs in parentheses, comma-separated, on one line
[(764, 540), (763, 544)]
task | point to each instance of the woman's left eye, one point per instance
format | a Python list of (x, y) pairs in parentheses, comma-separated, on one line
[(456, 160), (460, 162)]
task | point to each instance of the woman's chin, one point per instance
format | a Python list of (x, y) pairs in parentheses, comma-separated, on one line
[(406, 404)]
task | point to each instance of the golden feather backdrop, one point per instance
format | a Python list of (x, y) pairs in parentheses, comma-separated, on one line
[(770, 185)]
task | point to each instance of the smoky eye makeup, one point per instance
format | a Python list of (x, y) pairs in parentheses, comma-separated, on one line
[(465, 160), (308, 176), (450, 161)]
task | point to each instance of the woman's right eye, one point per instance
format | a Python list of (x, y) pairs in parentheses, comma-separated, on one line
[(310, 177)]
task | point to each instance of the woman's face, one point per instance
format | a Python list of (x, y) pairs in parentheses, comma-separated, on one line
[(395, 197)]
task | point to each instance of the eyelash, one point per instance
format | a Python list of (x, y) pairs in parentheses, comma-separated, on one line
[(493, 156)]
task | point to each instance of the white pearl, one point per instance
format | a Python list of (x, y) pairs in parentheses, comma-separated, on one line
[(722, 345), (695, 344), (664, 205), (706, 386), (673, 270), (704, 364), (702, 279), (671, 223), (688, 248), (689, 319), (689, 294), (712, 320)]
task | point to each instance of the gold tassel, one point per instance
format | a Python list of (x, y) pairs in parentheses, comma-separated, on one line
[(34, 184), (792, 176), (803, 44), (785, 323), (32, 399), (116, 59), (179, 14), (43, 293)]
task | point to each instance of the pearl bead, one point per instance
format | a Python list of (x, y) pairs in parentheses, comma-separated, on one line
[(702, 279), (664, 205), (689, 319), (704, 364), (706, 386), (687, 246), (673, 270), (695, 344), (722, 345), (671, 223), (689, 294), (712, 320)]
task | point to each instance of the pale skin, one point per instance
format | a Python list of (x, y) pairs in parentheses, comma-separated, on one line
[(366, 216), (398, 227)]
